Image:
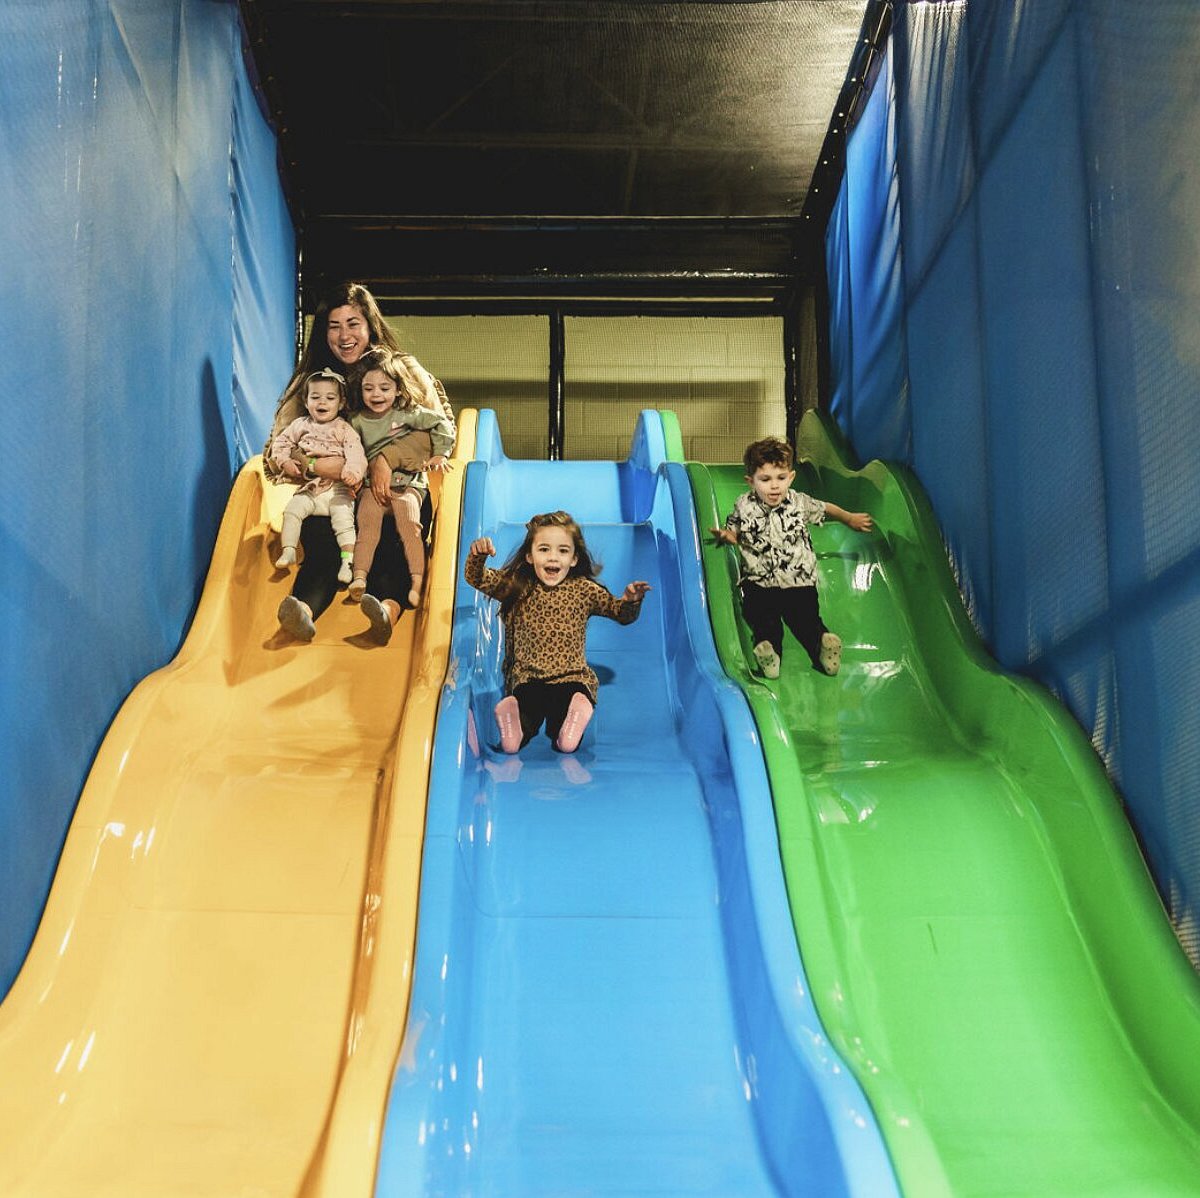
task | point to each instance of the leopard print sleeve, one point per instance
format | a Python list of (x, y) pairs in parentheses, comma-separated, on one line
[(602, 602), (481, 577)]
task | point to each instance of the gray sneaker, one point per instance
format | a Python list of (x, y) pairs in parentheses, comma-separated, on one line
[(831, 652), (767, 658), (295, 618), (381, 623)]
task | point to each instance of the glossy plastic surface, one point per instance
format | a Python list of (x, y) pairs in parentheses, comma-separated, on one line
[(985, 945), (213, 1003), (608, 998)]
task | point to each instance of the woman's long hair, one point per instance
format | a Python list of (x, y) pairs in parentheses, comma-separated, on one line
[(317, 355), (518, 574)]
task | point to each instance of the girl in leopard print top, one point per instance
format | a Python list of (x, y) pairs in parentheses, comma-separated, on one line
[(547, 592)]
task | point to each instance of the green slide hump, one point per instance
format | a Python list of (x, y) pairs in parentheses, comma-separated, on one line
[(984, 942)]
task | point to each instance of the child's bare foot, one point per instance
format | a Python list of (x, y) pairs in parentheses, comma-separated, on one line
[(286, 558), (382, 617), (579, 712), (414, 594), (831, 652), (508, 720), (767, 658), (358, 587), (296, 619)]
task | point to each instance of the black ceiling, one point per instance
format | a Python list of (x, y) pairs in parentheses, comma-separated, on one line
[(521, 148)]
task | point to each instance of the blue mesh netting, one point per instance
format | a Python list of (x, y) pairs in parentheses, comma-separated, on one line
[(144, 238), (1044, 371)]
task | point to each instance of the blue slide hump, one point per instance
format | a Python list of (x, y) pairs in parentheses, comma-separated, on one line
[(607, 997)]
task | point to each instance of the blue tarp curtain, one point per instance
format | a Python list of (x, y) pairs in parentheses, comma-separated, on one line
[(147, 269), (1014, 275)]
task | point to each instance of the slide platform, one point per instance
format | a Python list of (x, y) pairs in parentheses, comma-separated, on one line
[(213, 1002), (985, 944), (608, 999)]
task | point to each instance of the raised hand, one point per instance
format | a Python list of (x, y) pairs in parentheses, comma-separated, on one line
[(483, 546), (635, 590)]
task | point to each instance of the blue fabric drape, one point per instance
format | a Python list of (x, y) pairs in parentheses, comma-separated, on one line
[(1049, 216), (126, 290)]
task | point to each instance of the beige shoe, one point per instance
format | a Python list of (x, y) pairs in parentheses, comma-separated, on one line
[(831, 652), (767, 658)]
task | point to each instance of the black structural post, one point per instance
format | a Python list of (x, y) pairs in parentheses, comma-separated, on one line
[(558, 359), (791, 366)]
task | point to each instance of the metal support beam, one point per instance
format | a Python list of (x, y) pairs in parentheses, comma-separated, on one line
[(791, 367), (558, 359)]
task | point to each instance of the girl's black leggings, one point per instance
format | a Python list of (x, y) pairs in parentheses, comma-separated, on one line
[(545, 701)]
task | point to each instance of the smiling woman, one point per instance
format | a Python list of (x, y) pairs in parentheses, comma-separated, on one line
[(347, 326)]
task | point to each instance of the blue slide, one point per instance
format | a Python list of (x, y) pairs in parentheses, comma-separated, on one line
[(608, 998)]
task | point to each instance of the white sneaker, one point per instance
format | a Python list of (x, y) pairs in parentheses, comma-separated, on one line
[(346, 572), (285, 559), (767, 658), (831, 652)]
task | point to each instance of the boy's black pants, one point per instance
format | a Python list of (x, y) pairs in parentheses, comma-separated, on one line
[(767, 609)]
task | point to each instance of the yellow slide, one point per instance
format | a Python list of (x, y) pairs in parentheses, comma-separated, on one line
[(214, 1001)]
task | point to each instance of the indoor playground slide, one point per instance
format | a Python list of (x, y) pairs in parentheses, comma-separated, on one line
[(985, 945), (213, 1001), (608, 998)]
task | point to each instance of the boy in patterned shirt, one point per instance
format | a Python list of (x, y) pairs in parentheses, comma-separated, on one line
[(769, 526)]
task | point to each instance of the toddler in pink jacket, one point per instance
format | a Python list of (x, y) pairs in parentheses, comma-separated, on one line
[(321, 433)]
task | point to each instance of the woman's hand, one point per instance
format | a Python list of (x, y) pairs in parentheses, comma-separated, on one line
[(635, 591), (439, 464), (482, 547), (727, 535), (381, 480)]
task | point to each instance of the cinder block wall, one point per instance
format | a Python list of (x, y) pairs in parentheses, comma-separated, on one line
[(722, 376)]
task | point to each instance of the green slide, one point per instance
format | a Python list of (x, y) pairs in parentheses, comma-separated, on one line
[(985, 945)]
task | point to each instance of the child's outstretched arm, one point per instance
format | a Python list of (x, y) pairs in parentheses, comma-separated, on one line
[(624, 610), (490, 582), (859, 521)]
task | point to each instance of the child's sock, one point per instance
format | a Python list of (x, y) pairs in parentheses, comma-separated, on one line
[(767, 658), (358, 587), (831, 652), (286, 558), (579, 713), (296, 619), (345, 573), (414, 594), (508, 720)]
